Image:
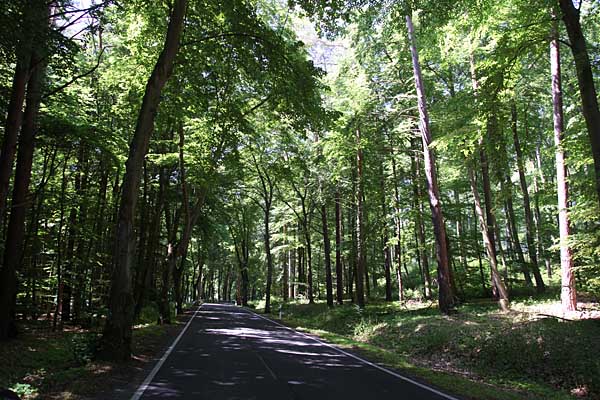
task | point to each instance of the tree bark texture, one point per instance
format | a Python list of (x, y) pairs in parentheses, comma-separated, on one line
[(489, 246), (445, 295), (20, 201), (568, 294), (116, 339), (585, 78), (31, 22)]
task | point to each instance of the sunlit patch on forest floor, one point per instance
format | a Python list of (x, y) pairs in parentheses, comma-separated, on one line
[(479, 352), (42, 364)]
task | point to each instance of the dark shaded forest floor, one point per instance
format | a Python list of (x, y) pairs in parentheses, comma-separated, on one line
[(478, 352), (41, 364)]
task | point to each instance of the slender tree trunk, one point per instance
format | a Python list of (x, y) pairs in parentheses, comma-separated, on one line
[(245, 284), (489, 213), (481, 274), (308, 260), (489, 246), (398, 227), (300, 276), (285, 268), (420, 228), (585, 78), (269, 257), (491, 230), (529, 226), (116, 340), (267, 187), (148, 259), (292, 273), (446, 297), (15, 237), (69, 271), (387, 256), (59, 248), (459, 235), (353, 241), (539, 222), (83, 245), (178, 279), (338, 250), (568, 294), (327, 250), (360, 234), (365, 250), (513, 230)]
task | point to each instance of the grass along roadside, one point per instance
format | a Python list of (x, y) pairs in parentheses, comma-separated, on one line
[(41, 364), (477, 353)]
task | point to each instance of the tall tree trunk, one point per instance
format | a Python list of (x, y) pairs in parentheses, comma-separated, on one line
[(267, 187), (365, 251), (585, 78), (398, 227), (147, 263), (292, 273), (360, 230), (245, 284), (285, 268), (568, 294), (308, 260), (387, 256), (459, 235), (82, 251), (32, 20), (59, 247), (20, 202), (116, 339), (489, 213), (178, 275), (300, 276), (492, 231), (420, 228), (529, 226), (489, 246), (539, 221), (446, 297), (506, 191), (69, 271), (269, 257), (327, 250), (338, 250), (353, 251)]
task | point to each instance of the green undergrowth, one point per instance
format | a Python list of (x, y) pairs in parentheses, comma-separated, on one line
[(41, 364), (477, 352)]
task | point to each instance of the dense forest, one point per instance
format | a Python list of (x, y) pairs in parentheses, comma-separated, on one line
[(157, 153)]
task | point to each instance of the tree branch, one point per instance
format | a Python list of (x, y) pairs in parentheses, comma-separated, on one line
[(76, 78)]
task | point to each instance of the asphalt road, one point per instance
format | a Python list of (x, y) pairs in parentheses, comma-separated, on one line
[(230, 353)]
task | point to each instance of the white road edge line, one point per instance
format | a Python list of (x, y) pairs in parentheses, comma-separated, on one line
[(379, 367), (142, 388)]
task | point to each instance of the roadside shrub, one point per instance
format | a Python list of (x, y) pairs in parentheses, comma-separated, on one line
[(83, 347), (149, 314)]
